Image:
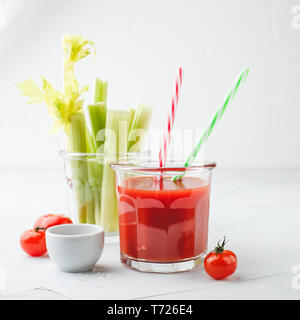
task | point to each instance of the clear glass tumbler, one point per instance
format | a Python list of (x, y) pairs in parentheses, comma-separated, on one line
[(92, 188), (163, 224)]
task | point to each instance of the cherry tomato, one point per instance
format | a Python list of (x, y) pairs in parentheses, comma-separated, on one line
[(33, 242), (220, 263), (49, 220)]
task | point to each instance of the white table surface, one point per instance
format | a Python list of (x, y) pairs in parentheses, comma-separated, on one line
[(258, 210)]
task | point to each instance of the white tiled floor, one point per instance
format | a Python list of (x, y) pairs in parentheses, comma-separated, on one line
[(258, 210)]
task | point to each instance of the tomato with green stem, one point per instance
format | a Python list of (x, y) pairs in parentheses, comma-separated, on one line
[(220, 263), (33, 242)]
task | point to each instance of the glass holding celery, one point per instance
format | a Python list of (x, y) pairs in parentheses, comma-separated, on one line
[(90, 179), (90, 147)]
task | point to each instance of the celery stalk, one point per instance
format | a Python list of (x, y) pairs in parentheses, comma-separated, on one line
[(82, 170), (118, 124), (77, 133), (124, 119), (97, 90), (90, 142), (100, 91), (77, 143), (109, 205), (139, 126), (95, 182), (132, 113), (103, 96), (90, 204), (97, 111), (97, 114), (65, 107)]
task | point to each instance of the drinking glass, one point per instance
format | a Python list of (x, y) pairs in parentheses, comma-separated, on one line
[(163, 224)]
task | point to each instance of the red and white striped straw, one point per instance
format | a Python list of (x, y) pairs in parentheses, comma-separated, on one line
[(170, 121)]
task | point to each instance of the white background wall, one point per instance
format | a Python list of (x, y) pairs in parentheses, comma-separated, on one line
[(140, 43)]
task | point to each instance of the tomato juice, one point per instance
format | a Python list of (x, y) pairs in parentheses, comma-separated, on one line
[(163, 221)]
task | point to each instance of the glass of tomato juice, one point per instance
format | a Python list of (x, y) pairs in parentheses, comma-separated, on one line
[(163, 224)]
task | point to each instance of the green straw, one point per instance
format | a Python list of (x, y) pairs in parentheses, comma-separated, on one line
[(216, 118)]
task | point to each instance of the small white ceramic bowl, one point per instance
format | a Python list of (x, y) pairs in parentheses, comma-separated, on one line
[(75, 247)]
